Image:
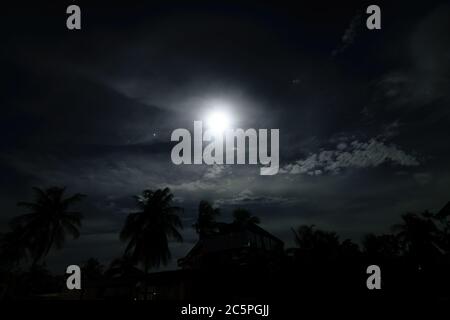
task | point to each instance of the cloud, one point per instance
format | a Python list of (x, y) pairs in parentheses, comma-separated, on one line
[(354, 155), (423, 178), (247, 197), (216, 171), (348, 38), (390, 130), (208, 181), (423, 81), (412, 88)]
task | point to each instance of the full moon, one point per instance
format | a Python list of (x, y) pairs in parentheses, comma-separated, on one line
[(218, 121)]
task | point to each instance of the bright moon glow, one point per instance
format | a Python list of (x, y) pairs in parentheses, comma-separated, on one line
[(218, 121)]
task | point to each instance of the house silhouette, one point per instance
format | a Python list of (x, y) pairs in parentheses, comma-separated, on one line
[(234, 245)]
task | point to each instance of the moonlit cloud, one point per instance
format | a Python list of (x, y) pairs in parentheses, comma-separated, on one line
[(247, 197), (350, 34), (356, 155)]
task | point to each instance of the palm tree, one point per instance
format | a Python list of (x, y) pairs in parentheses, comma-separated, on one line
[(148, 230), (206, 221), (243, 216), (47, 223), (419, 236)]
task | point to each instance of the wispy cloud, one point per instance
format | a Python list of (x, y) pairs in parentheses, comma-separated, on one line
[(353, 155), (247, 197), (207, 181), (348, 38), (216, 171)]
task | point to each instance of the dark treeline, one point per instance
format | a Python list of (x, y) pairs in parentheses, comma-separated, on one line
[(414, 256)]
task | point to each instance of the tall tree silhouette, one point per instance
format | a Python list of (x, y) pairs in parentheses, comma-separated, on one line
[(206, 221), (148, 231), (243, 216), (418, 235), (316, 243), (47, 223)]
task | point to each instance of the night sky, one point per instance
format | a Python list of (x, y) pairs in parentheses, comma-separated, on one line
[(364, 115)]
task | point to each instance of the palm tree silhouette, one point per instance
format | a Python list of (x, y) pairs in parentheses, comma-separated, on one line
[(419, 236), (148, 231), (47, 223), (243, 216), (206, 221)]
